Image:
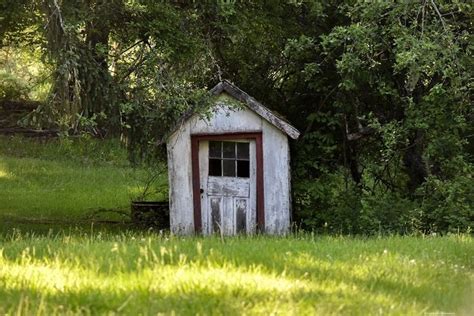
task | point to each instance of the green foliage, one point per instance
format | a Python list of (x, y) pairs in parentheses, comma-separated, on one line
[(23, 75), (447, 205), (327, 205), (11, 88), (156, 109), (401, 93), (334, 204), (381, 91), (387, 213)]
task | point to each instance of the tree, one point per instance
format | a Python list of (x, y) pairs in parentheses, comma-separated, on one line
[(401, 91), (381, 91)]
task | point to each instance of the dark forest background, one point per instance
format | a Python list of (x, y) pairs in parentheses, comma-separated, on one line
[(381, 91)]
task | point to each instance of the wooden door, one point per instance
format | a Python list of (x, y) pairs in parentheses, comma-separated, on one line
[(227, 172)]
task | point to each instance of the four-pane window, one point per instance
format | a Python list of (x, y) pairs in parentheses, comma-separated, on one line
[(229, 159)]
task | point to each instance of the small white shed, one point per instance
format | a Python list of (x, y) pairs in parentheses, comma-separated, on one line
[(230, 173)]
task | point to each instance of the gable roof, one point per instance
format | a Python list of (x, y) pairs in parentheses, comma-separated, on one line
[(257, 107)]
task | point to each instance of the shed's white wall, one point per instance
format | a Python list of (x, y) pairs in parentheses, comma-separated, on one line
[(180, 181), (276, 175), (226, 120), (276, 171)]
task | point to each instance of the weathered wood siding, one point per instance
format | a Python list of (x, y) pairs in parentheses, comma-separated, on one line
[(227, 120), (180, 181), (276, 185)]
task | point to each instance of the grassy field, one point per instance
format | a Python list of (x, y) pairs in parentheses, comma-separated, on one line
[(67, 180), (139, 273), (55, 260)]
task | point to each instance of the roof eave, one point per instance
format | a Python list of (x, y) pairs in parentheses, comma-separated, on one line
[(256, 106)]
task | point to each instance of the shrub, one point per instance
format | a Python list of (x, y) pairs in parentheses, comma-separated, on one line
[(447, 205), (330, 204), (327, 204), (11, 87)]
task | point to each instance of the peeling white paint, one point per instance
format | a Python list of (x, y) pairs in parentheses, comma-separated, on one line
[(276, 171)]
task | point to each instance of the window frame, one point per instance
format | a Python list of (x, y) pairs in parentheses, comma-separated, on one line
[(235, 159)]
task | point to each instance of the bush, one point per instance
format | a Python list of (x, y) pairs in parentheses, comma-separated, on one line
[(386, 212), (447, 206), (11, 87), (329, 204)]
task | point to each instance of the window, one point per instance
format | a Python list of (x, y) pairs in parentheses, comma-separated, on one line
[(229, 159)]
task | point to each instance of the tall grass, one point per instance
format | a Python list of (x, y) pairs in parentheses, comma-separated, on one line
[(142, 273)]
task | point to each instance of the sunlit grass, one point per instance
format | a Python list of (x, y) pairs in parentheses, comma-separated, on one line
[(64, 180), (140, 273), (4, 174), (58, 190)]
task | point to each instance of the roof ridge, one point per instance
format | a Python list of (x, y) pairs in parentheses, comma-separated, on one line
[(257, 107), (242, 96)]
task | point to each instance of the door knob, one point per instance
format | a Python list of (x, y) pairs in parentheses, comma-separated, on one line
[(201, 191)]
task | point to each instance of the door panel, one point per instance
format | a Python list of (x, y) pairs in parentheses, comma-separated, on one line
[(241, 216), (228, 186), (228, 216), (215, 210)]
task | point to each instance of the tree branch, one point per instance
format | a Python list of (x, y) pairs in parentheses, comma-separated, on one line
[(435, 7)]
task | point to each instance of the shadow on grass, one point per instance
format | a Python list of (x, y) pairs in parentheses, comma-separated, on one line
[(25, 226), (347, 276), (140, 299)]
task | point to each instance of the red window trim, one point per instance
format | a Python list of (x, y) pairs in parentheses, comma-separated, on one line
[(195, 139)]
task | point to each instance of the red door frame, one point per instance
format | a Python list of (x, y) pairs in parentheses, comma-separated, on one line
[(195, 139)]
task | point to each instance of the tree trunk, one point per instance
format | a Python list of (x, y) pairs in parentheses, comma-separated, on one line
[(353, 165), (414, 163), (97, 46)]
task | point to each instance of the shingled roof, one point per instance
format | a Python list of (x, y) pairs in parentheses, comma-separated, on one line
[(257, 107)]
